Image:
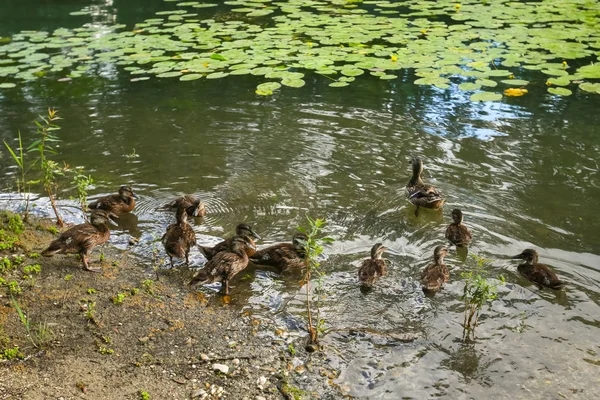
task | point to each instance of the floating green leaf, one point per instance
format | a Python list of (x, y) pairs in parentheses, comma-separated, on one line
[(515, 82), (338, 84), (7, 85), (190, 77), (560, 91), (486, 96)]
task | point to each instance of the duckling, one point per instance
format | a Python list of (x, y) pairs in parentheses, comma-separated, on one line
[(538, 273), (193, 205), (373, 268), (240, 230), (179, 237), (226, 264), (419, 193), (118, 204), (437, 273), (457, 233), (83, 238), (284, 256)]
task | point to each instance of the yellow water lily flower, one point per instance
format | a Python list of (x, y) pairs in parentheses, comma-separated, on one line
[(515, 92), (457, 6), (394, 58)]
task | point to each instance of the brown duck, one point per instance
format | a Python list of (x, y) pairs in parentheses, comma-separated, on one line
[(118, 204), (283, 256), (419, 193), (193, 205), (179, 237), (82, 238), (457, 233), (240, 230), (225, 264), (437, 273), (373, 268), (538, 273)]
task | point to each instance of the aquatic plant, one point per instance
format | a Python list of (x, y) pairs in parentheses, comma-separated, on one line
[(313, 247), (474, 47), (478, 291), (82, 183), (22, 183)]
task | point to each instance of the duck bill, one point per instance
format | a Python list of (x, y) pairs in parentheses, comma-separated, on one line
[(256, 235), (135, 196), (517, 257), (112, 219)]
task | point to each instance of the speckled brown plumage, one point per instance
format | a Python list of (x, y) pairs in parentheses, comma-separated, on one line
[(419, 193), (82, 238), (540, 274), (240, 230), (373, 268), (118, 204), (283, 256), (225, 265), (179, 237), (457, 233), (192, 204), (437, 273)]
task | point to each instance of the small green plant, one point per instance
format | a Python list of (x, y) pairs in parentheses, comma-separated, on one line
[(131, 155), (11, 354), (34, 255), (7, 241), (107, 339), (292, 349), (118, 299), (12, 286), (91, 291), (90, 310), (103, 350), (313, 247), (17, 260), (82, 183), (52, 229), (134, 291), (68, 277), (102, 257), (478, 291), (30, 270), (144, 395), (148, 284), (22, 183), (40, 335), (44, 146), (5, 264), (15, 224)]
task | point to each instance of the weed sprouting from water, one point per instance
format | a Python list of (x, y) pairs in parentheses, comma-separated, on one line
[(22, 183), (313, 247)]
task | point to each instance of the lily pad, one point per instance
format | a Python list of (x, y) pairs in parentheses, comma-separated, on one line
[(560, 91), (190, 77), (486, 96), (515, 82), (7, 85), (216, 75), (338, 84)]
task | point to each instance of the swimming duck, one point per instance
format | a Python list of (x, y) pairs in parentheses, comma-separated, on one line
[(179, 237), (240, 230), (537, 273), (225, 264), (284, 256), (118, 204), (457, 233), (83, 238), (373, 268), (193, 205), (419, 193), (437, 273)]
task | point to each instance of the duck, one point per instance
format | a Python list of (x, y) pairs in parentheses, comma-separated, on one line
[(283, 256), (240, 230), (121, 203), (373, 268), (419, 193), (179, 237), (193, 205), (225, 264), (81, 239), (437, 273), (540, 274), (457, 233)]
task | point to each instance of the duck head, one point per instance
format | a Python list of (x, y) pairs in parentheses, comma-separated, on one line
[(126, 192), (101, 217), (439, 253), (246, 230), (457, 216), (377, 250), (199, 208), (529, 255), (299, 241), (241, 242)]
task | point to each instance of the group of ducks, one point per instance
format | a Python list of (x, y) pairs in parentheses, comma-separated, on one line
[(229, 257)]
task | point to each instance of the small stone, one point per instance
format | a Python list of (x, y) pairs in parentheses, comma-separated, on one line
[(193, 366), (203, 357), (262, 382), (144, 339), (199, 393), (299, 369), (260, 398), (222, 368), (235, 361)]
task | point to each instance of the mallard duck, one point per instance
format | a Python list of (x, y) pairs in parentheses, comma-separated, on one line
[(193, 205), (83, 238), (457, 233), (240, 230), (118, 204), (284, 256), (225, 264), (373, 268), (179, 237), (437, 273), (537, 273), (419, 193)]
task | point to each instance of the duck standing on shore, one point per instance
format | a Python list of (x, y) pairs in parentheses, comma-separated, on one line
[(419, 193), (82, 238), (537, 273), (118, 204), (179, 237)]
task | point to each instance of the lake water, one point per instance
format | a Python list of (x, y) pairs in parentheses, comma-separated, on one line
[(525, 172)]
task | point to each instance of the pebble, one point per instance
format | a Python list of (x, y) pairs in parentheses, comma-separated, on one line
[(199, 393), (203, 357), (235, 361), (222, 368), (260, 398), (144, 339), (262, 382)]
